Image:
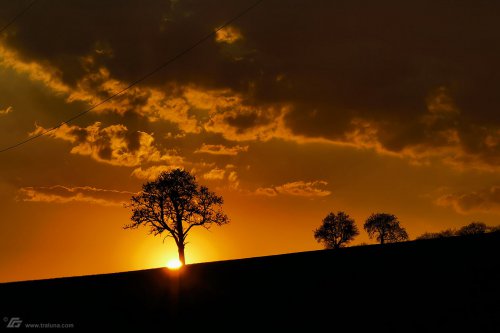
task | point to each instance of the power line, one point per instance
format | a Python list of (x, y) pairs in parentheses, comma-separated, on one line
[(18, 15), (141, 79)]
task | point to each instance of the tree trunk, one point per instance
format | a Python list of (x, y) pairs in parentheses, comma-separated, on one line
[(182, 257), (382, 238), (181, 244)]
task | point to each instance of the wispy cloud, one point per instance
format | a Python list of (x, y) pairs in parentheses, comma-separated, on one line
[(266, 191), (221, 150), (214, 174), (65, 194), (152, 172), (299, 188), (6, 111)]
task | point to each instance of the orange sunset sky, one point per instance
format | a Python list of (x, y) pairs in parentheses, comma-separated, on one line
[(294, 110)]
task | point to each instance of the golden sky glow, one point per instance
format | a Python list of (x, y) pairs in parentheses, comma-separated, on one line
[(289, 113)]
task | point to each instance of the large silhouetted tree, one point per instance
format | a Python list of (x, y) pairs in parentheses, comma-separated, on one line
[(174, 203), (386, 228), (336, 231)]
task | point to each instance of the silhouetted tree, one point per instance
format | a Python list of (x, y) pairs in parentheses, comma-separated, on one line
[(494, 229), (175, 203), (336, 230), (474, 228), (386, 228), (440, 234), (428, 235)]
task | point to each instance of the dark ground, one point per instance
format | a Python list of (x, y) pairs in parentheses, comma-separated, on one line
[(436, 285)]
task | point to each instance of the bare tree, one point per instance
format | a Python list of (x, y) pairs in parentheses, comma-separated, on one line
[(336, 230), (386, 228), (175, 203)]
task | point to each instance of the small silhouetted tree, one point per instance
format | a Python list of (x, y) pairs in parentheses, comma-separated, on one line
[(386, 228), (474, 228), (336, 231), (495, 229), (434, 235), (174, 203)]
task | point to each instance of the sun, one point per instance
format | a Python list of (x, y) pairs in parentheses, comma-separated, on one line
[(174, 264)]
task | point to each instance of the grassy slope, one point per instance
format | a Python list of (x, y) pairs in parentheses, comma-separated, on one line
[(437, 284)]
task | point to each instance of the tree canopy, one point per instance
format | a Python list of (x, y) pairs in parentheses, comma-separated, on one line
[(473, 228), (336, 230), (174, 203), (385, 228)]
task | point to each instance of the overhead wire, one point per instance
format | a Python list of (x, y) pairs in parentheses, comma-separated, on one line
[(17, 16), (139, 80)]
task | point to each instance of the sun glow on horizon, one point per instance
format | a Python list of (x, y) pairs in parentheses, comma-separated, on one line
[(174, 264)]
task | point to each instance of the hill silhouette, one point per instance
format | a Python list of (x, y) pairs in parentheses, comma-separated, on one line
[(439, 284)]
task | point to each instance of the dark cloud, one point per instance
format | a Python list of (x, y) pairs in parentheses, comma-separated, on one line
[(246, 121), (331, 63), (484, 200), (104, 150), (133, 140), (80, 134)]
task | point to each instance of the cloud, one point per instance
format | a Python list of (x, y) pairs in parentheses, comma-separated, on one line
[(233, 179), (152, 172), (353, 87), (154, 104), (96, 84), (221, 149), (298, 188), (266, 191), (229, 35), (46, 74), (228, 175), (215, 174), (245, 123), (6, 111), (485, 200), (438, 135), (304, 189), (113, 145), (64, 194), (230, 114)]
